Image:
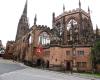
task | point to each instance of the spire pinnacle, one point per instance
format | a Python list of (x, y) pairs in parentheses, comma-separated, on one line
[(35, 19), (53, 19), (97, 30), (53, 16), (96, 26), (88, 10), (63, 8), (25, 9), (79, 4)]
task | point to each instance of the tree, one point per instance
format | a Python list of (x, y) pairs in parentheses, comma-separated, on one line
[(95, 54)]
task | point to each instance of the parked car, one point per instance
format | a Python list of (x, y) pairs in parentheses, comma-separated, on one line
[(2, 52)]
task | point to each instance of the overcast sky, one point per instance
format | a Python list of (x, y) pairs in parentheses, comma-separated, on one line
[(11, 10)]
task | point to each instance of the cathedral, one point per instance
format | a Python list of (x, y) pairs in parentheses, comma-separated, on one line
[(67, 46)]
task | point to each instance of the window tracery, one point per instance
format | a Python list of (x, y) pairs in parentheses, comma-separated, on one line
[(44, 38), (72, 31)]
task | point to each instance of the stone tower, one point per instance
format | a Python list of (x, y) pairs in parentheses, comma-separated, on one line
[(74, 26), (23, 26)]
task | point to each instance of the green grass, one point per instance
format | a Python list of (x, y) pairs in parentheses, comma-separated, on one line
[(91, 74)]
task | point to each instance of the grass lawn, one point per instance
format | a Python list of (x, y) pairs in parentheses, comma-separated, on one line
[(91, 74)]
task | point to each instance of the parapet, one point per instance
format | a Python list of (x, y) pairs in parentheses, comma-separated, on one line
[(43, 27), (72, 12)]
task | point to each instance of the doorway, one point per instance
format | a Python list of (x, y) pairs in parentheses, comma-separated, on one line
[(47, 64), (38, 63), (68, 65)]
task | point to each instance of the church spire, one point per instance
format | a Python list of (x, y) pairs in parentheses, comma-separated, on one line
[(23, 26), (25, 9)]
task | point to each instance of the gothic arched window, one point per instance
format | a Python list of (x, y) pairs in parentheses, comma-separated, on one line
[(30, 39), (72, 22), (72, 30), (59, 28), (44, 38)]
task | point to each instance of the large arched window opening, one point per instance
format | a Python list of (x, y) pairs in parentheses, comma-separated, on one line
[(72, 30), (44, 38), (74, 22), (30, 40), (59, 28)]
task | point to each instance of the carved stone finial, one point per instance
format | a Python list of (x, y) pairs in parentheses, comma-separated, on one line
[(88, 10), (63, 8), (79, 4), (35, 19)]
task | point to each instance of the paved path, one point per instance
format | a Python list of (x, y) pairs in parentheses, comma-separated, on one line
[(38, 74), (15, 71), (9, 66)]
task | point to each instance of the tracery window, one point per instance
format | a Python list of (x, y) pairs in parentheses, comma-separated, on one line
[(72, 30), (72, 21), (59, 28), (44, 38)]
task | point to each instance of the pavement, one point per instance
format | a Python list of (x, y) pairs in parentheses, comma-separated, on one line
[(21, 72), (9, 66)]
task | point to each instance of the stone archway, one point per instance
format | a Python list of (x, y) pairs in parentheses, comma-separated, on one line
[(40, 62)]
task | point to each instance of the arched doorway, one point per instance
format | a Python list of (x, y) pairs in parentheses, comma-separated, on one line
[(40, 63), (72, 31), (68, 67), (47, 64)]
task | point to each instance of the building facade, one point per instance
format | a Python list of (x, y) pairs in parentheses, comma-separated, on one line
[(2, 49), (66, 46), (9, 50)]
